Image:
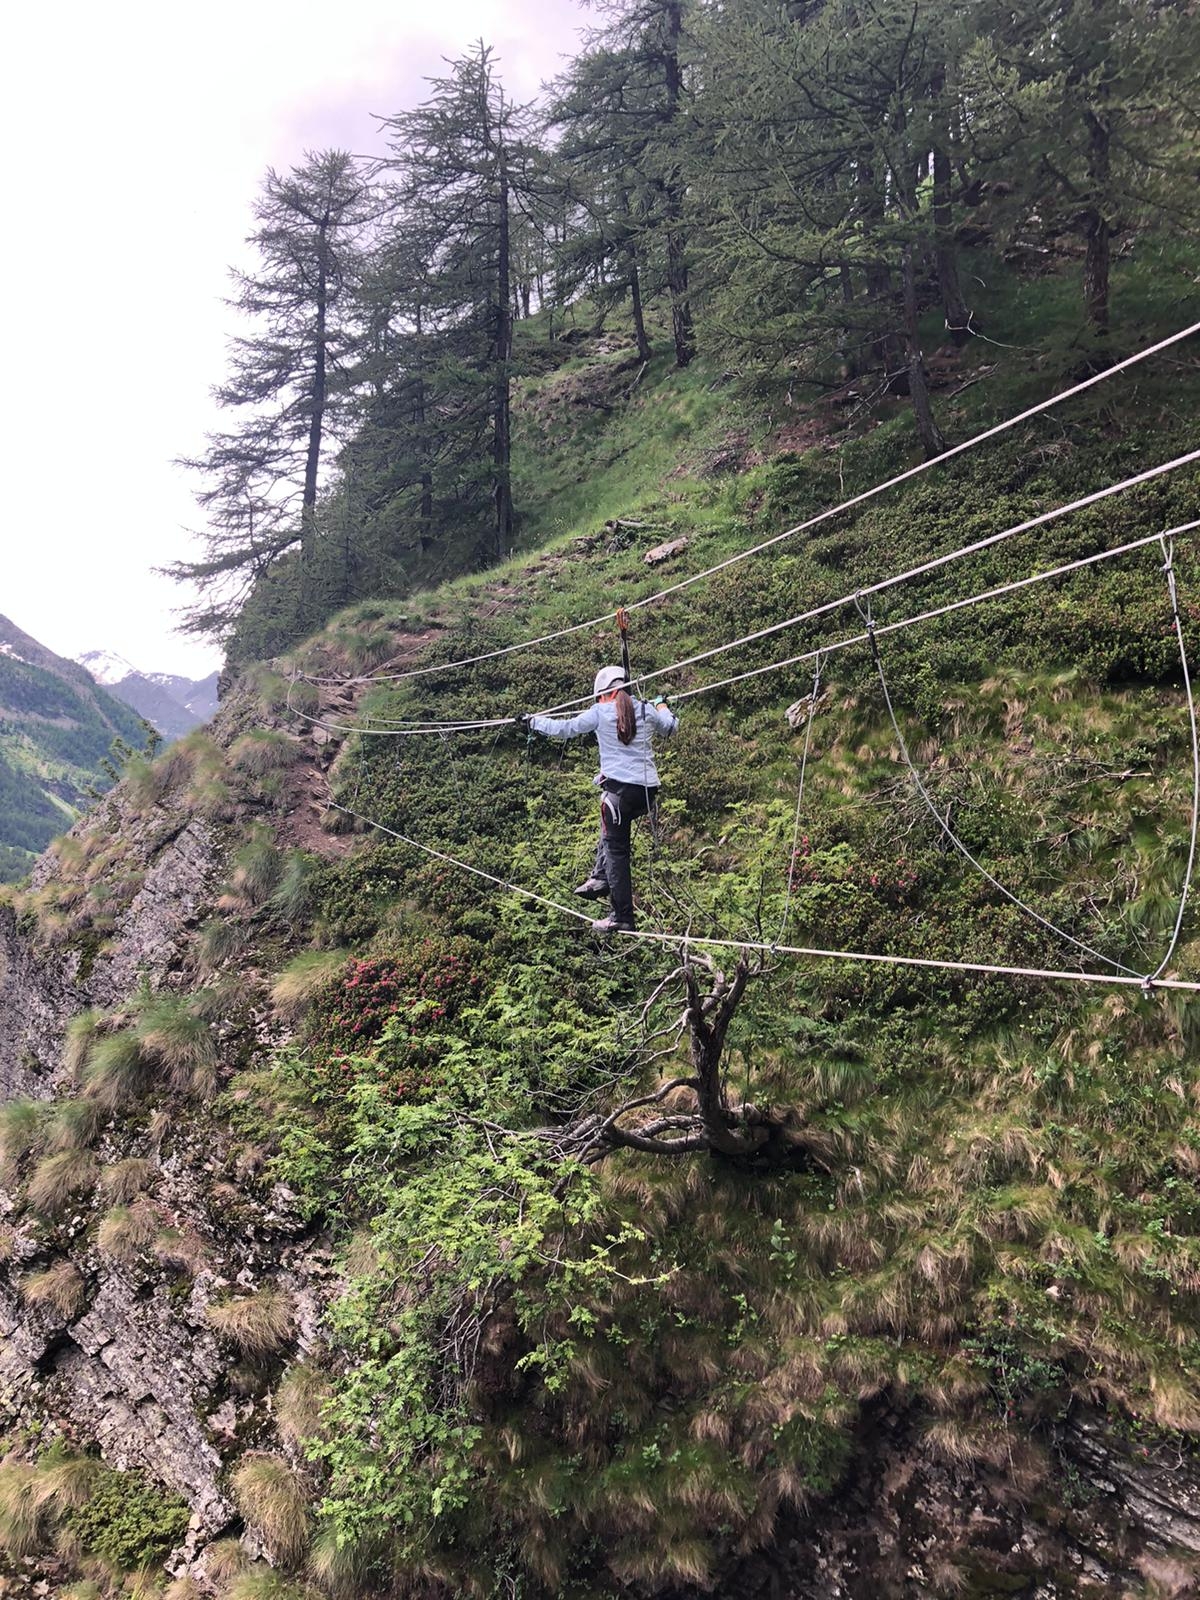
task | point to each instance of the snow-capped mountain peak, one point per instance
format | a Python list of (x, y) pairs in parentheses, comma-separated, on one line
[(106, 667)]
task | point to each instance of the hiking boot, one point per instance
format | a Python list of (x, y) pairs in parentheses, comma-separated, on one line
[(612, 924), (592, 889)]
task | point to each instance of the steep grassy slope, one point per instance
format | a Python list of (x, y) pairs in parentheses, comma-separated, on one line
[(978, 1216)]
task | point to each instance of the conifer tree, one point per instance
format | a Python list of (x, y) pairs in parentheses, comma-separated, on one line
[(622, 106), (456, 161), (289, 383), (606, 114), (815, 135), (1103, 93)]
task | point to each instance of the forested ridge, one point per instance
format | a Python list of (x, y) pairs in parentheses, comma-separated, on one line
[(808, 199), (466, 1253)]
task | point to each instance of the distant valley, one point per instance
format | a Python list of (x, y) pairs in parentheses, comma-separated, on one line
[(57, 727)]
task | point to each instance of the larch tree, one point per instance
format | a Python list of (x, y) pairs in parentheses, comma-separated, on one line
[(604, 112), (289, 384), (1104, 96), (455, 164), (623, 110), (815, 143)]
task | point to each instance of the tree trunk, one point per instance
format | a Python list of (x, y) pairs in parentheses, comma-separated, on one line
[(880, 291), (1096, 227), (708, 1019), (945, 251), (316, 419), (682, 329), (932, 440), (424, 445), (639, 322), (850, 354), (501, 422)]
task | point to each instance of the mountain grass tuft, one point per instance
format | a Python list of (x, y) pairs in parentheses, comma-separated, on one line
[(261, 1583), (117, 1072), (125, 1179), (125, 1231), (184, 1588), (81, 1030), (264, 751), (73, 1125), (179, 1250), (60, 1289), (298, 1402), (225, 1559), (272, 1501), (343, 1568), (172, 1034), (21, 1134), (292, 898), (257, 868), (219, 940), (258, 1324), (59, 1179), (302, 980), (22, 1510)]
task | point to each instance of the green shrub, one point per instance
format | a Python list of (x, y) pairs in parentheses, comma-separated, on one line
[(128, 1520)]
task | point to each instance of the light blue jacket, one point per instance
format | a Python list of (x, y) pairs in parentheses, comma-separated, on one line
[(621, 763)]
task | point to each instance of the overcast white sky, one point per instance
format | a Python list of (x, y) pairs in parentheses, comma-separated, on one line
[(138, 134)]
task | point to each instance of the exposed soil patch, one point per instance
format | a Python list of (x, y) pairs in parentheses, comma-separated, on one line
[(797, 437)]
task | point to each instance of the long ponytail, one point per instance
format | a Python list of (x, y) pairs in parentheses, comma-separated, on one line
[(626, 717)]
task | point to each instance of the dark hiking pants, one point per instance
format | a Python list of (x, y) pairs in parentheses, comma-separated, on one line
[(620, 807)]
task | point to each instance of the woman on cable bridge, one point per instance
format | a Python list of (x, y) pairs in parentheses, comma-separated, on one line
[(625, 728)]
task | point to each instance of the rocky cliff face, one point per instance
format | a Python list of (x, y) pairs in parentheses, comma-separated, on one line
[(132, 1365)]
